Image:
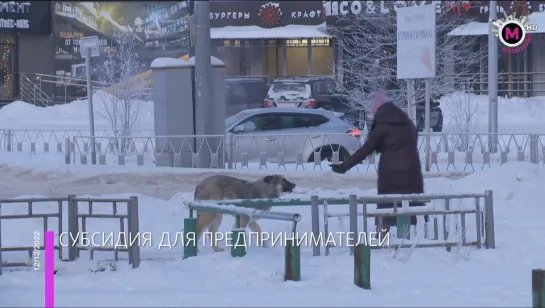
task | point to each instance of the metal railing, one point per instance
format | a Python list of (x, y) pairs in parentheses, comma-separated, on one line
[(74, 228), (441, 208), (513, 84), (484, 218), (45, 90), (448, 152)]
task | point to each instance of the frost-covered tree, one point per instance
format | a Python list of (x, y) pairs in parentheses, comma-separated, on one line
[(463, 117), (368, 46), (120, 106)]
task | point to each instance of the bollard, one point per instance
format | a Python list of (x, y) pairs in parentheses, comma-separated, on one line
[(353, 210), (190, 247), (362, 266), (490, 240), (403, 224), (238, 249), (538, 288), (292, 262), (315, 225)]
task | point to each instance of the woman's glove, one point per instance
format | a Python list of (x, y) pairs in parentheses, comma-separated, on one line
[(338, 168)]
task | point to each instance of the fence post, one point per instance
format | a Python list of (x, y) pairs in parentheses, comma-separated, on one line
[(362, 266), (238, 249), (73, 148), (353, 211), (9, 140), (190, 246), (490, 242), (1, 240), (534, 148), (538, 288), (134, 231), (315, 223), (292, 262), (403, 226), (230, 150), (73, 228), (67, 151)]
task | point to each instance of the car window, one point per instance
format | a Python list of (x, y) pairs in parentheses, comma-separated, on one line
[(293, 120), (319, 88), (289, 90), (263, 122), (324, 88), (331, 87)]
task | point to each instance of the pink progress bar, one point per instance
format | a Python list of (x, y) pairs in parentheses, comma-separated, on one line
[(49, 269)]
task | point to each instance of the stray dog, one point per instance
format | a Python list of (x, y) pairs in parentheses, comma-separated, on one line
[(223, 187)]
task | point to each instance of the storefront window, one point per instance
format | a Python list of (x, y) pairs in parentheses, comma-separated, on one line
[(7, 61)]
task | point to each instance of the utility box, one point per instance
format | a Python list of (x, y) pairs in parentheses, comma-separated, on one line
[(173, 111), (212, 146)]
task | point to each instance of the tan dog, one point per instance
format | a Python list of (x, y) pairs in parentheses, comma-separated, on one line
[(223, 187)]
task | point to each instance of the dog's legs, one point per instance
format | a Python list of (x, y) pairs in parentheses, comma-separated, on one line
[(246, 221), (214, 228), (204, 220), (255, 227)]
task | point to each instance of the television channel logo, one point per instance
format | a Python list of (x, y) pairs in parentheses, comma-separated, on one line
[(513, 33)]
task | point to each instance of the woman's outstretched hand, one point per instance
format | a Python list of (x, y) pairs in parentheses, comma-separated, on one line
[(338, 168)]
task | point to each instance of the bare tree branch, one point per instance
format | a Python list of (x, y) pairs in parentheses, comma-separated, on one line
[(121, 105), (368, 45), (463, 116)]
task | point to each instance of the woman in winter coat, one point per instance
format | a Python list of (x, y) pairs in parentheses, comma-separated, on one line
[(395, 137)]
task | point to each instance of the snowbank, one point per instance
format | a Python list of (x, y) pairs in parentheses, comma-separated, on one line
[(71, 116), (516, 115)]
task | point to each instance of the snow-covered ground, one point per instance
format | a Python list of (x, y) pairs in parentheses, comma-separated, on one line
[(425, 277), (516, 115)]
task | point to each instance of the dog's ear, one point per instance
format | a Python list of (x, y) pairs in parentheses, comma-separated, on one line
[(268, 179)]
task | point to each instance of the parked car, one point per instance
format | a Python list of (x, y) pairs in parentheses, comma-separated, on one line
[(314, 93), (436, 116), (244, 93), (398, 98), (291, 131)]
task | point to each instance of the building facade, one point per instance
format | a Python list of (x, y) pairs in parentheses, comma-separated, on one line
[(25, 43), (520, 74), (254, 38), (271, 39)]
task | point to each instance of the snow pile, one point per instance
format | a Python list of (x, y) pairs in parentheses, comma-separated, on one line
[(71, 116), (516, 115)]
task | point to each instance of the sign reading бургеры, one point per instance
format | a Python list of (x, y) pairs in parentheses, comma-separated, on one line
[(25, 17)]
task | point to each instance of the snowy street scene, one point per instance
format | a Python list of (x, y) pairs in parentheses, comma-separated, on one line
[(272, 154)]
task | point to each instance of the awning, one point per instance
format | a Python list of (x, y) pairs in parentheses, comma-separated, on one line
[(255, 32), (482, 28)]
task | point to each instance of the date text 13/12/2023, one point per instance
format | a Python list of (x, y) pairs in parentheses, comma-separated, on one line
[(123, 240)]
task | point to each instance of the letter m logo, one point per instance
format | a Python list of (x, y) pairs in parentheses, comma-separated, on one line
[(512, 34)]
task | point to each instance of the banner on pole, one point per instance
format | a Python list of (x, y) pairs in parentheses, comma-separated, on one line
[(416, 42)]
